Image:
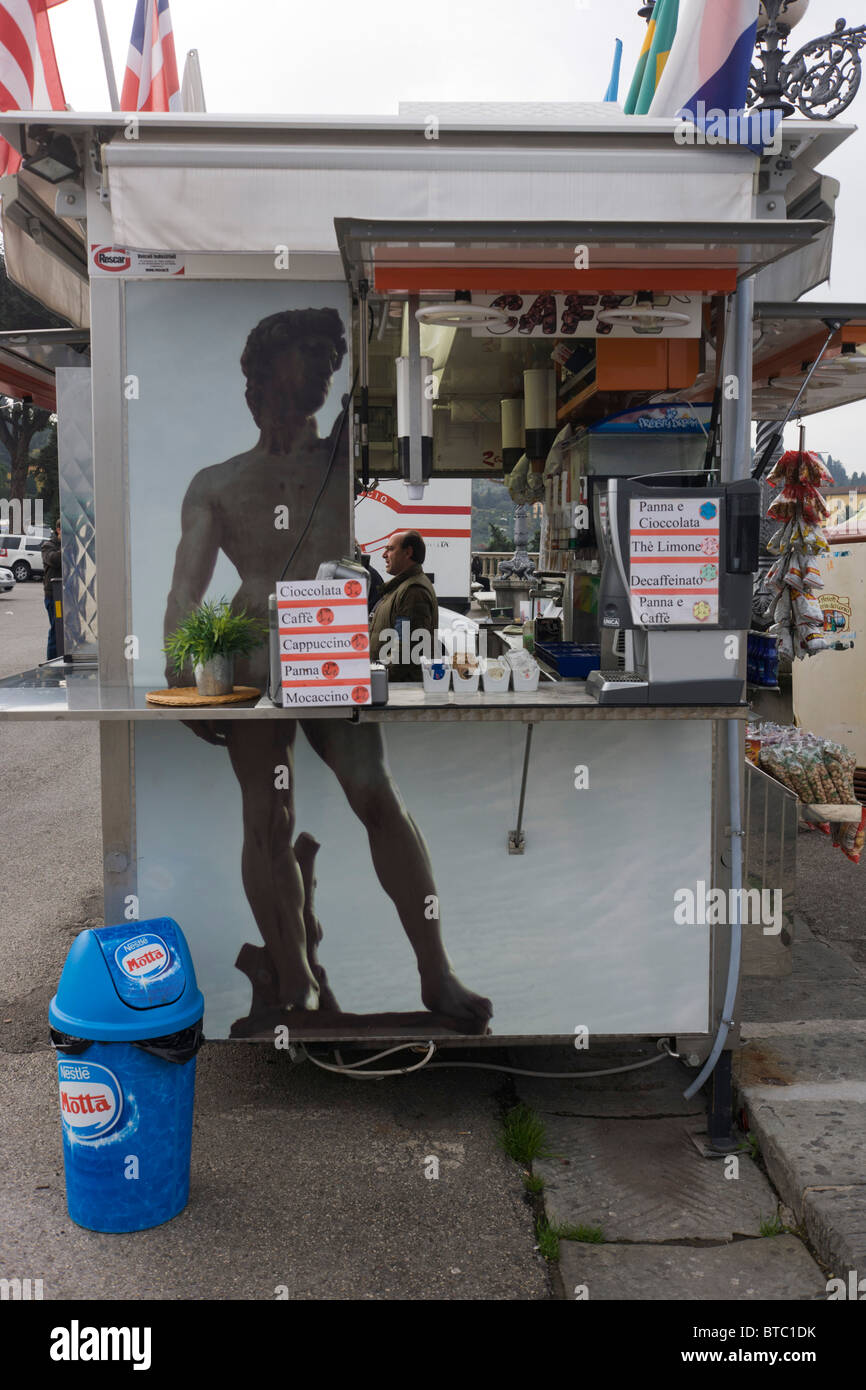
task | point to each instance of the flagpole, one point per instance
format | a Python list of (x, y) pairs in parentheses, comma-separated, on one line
[(106, 56)]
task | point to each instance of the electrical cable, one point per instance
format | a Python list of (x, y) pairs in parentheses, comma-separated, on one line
[(552, 1075), (337, 437), (351, 1068), (347, 1069)]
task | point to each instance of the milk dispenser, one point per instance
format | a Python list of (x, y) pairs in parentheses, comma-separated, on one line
[(678, 557)]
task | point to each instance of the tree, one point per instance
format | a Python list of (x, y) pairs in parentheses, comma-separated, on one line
[(45, 473), (19, 421), (835, 469), (498, 538)]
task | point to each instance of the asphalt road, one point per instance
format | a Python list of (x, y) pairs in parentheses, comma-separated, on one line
[(50, 834), (300, 1179)]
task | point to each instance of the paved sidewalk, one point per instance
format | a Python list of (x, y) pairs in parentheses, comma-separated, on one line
[(627, 1161), (304, 1186), (802, 1082)]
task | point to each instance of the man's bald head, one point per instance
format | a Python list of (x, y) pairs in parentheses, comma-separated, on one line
[(403, 550)]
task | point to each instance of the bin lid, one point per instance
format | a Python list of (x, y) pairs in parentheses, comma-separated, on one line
[(127, 983)]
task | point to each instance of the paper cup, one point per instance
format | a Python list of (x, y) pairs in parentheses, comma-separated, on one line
[(465, 685), (524, 675), (436, 676), (493, 682)]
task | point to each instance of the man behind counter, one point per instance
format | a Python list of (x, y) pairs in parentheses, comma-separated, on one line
[(406, 608)]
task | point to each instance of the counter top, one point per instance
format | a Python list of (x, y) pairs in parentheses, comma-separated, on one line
[(54, 691)]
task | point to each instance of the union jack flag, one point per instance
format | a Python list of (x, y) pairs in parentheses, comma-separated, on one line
[(150, 82), (29, 80)]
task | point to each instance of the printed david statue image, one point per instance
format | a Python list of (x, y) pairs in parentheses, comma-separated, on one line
[(289, 361)]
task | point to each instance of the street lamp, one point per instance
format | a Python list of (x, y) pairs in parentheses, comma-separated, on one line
[(819, 81)]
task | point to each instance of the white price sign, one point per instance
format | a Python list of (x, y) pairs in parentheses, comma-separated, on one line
[(674, 561), (324, 642)]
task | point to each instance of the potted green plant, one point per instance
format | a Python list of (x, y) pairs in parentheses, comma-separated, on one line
[(209, 638)]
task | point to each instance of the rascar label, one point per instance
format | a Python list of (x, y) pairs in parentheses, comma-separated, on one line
[(114, 259), (143, 957), (91, 1099), (119, 260)]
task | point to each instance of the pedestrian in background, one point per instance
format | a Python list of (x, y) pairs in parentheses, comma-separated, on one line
[(50, 571)]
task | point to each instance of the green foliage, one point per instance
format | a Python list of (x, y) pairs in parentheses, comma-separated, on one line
[(213, 630), (589, 1235), (491, 505), (774, 1227), (549, 1234), (533, 1184), (499, 539), (523, 1138), (548, 1239)]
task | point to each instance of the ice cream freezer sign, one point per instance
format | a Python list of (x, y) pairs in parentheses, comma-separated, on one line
[(674, 561), (324, 642)]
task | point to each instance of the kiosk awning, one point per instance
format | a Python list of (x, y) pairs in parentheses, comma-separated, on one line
[(425, 257), (232, 197), (789, 338)]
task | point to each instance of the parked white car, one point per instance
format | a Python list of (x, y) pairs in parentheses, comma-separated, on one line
[(22, 555), (7, 580)]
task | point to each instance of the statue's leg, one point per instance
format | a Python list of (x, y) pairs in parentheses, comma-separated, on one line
[(259, 751), (355, 753)]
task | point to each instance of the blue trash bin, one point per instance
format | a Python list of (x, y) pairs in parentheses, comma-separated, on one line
[(126, 1024)]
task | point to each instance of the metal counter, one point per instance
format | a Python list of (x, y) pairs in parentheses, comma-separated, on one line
[(55, 692)]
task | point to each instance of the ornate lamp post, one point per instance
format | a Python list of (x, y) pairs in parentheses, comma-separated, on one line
[(819, 81)]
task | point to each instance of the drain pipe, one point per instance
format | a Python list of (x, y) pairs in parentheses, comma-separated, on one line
[(736, 434), (736, 835)]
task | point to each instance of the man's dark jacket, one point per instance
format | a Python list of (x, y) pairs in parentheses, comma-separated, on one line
[(409, 596), (50, 563)]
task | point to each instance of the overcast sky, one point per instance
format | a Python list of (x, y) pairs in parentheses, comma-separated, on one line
[(342, 57)]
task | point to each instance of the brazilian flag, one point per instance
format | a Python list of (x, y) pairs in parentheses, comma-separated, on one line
[(652, 57)]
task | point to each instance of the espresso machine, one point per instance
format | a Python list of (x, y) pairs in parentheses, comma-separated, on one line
[(678, 556)]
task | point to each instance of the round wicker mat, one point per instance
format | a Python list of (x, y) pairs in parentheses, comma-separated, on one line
[(188, 695)]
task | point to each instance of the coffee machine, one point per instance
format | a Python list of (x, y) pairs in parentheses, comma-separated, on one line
[(678, 555)]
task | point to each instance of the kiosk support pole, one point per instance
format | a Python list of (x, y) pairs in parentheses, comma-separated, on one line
[(736, 463)]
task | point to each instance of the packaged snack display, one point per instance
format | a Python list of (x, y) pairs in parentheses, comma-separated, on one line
[(795, 577), (819, 772)]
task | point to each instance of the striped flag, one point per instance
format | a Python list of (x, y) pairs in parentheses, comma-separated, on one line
[(710, 58), (29, 80), (652, 57), (613, 85), (150, 82)]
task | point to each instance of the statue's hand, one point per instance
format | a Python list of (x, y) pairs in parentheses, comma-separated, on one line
[(335, 428), (208, 730)]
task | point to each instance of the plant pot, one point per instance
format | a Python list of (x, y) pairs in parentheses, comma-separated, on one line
[(216, 676)]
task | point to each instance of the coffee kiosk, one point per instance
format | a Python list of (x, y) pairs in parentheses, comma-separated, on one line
[(528, 843)]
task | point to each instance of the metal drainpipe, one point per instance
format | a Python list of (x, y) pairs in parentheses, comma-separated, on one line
[(736, 460)]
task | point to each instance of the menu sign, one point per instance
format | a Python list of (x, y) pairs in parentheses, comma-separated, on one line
[(324, 642), (674, 561)]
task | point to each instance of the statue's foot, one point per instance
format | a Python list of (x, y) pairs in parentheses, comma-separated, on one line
[(444, 994), (299, 994)]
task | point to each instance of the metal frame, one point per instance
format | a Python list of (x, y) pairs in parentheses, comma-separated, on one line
[(200, 134)]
